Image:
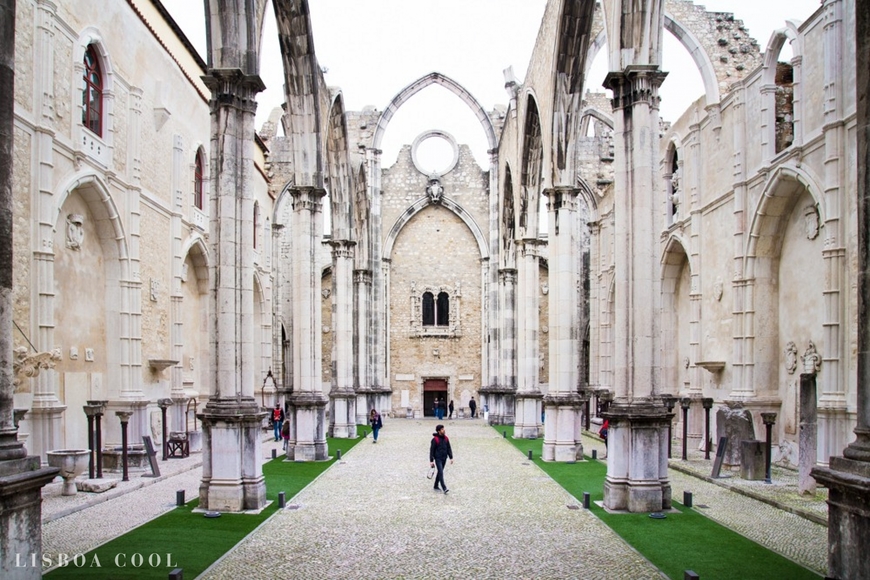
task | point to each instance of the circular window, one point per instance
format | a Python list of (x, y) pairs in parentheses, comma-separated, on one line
[(435, 153)]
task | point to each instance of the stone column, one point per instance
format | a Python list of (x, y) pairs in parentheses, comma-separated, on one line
[(637, 474), (376, 371), (848, 477), (21, 478), (342, 396), (47, 410), (563, 403), (307, 403), (528, 401), (232, 474)]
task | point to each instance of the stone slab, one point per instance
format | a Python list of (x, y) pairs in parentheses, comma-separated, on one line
[(96, 485)]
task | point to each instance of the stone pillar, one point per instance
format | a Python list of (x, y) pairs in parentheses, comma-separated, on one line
[(807, 435), (848, 477), (21, 478), (307, 403), (563, 403), (362, 291), (232, 474), (637, 467), (528, 401), (342, 396)]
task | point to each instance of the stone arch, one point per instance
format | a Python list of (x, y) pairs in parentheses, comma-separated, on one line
[(434, 78), (448, 203), (590, 200), (775, 45), (675, 259), (532, 169), (195, 247), (593, 113), (339, 184), (361, 218), (262, 331), (508, 213)]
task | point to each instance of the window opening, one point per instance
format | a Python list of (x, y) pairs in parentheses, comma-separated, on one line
[(92, 94), (197, 181)]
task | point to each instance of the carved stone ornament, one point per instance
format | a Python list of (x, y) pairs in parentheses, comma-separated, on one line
[(434, 190), (326, 292), (718, 289), (812, 360), (811, 222), (75, 233), (28, 367), (184, 271), (545, 288), (790, 357), (686, 362)]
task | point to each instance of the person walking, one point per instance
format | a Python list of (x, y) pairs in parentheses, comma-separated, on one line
[(473, 407), (450, 409), (439, 452), (277, 421), (285, 434), (376, 423)]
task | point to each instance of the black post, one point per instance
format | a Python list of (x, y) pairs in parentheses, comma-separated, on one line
[(685, 403), (769, 419), (125, 417), (670, 401), (588, 410), (164, 404), (708, 404), (89, 411), (98, 417)]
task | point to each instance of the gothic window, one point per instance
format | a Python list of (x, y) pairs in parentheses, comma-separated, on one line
[(92, 93), (674, 184), (432, 314), (442, 309), (197, 181), (784, 106)]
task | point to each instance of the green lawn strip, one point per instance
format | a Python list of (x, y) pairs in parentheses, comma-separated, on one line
[(181, 538), (682, 541)]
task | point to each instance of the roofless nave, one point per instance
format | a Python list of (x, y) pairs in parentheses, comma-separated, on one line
[(709, 259)]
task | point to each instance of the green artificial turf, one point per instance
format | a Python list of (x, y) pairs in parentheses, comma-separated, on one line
[(187, 540), (682, 541)]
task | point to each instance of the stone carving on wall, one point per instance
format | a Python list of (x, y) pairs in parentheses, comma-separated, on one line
[(718, 289), (812, 360), (545, 288), (184, 271), (75, 233), (74, 353), (434, 190), (155, 289), (26, 366), (790, 357), (326, 292), (811, 222), (89, 355)]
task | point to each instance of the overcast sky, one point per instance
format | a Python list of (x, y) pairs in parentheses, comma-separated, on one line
[(372, 49)]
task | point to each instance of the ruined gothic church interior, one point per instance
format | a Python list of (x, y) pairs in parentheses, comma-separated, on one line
[(171, 262)]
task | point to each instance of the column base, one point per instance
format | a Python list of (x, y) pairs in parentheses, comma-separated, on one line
[(307, 416), (21, 482), (528, 425), (637, 458), (848, 483), (563, 425), (501, 402), (232, 466), (343, 415), (368, 398)]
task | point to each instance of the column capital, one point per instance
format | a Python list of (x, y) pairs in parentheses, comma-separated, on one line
[(234, 88), (342, 248), (307, 197), (362, 277), (638, 83)]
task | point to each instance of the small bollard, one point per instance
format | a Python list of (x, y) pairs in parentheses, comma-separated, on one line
[(530, 453), (179, 497), (594, 454), (274, 453), (504, 434), (176, 574), (687, 499), (282, 501), (689, 575), (338, 454), (586, 500)]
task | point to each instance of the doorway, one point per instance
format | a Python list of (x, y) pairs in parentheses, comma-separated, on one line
[(433, 389)]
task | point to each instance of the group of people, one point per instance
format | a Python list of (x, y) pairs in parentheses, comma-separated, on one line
[(440, 407)]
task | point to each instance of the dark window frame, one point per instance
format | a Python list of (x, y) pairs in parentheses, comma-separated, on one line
[(92, 93), (198, 181)]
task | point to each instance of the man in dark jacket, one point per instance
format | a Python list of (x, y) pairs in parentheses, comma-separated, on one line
[(439, 452)]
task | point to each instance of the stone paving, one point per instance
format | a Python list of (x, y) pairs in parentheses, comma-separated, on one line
[(375, 514)]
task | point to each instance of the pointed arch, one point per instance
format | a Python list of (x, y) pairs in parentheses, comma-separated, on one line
[(195, 247), (338, 168), (533, 162), (447, 203), (434, 78), (361, 218)]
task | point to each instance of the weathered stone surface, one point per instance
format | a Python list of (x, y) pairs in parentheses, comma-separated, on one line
[(96, 485), (736, 424), (752, 460)]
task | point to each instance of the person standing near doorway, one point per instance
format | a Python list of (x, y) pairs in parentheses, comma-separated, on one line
[(472, 405), (450, 410), (376, 423), (439, 452), (277, 421)]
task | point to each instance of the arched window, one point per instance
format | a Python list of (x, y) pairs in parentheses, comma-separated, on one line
[(256, 222), (197, 181), (428, 309), (92, 93), (442, 312)]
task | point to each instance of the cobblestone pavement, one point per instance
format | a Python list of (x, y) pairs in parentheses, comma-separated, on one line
[(375, 515)]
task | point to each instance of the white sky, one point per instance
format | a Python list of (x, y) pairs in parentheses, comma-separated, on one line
[(372, 49)]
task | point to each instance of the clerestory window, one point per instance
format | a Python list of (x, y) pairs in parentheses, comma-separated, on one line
[(436, 312), (92, 93)]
